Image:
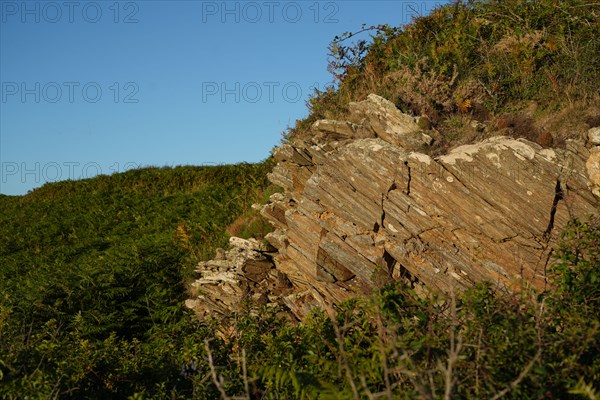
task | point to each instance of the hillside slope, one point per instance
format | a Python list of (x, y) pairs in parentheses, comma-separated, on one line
[(528, 68), (392, 268), (93, 277)]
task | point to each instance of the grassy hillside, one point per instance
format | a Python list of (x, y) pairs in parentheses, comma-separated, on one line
[(92, 277), (91, 286), (522, 68), (93, 273)]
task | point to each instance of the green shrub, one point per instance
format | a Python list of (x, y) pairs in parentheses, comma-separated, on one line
[(92, 280), (470, 57)]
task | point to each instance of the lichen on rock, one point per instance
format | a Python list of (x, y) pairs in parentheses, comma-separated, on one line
[(363, 205)]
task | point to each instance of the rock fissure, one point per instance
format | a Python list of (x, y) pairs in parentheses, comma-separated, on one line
[(506, 239), (383, 196), (408, 178), (558, 196)]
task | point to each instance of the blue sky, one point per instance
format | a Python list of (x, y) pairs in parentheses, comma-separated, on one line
[(92, 87)]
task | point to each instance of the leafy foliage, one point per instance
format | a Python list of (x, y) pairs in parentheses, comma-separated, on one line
[(93, 273), (93, 278), (92, 309), (470, 57), (483, 343)]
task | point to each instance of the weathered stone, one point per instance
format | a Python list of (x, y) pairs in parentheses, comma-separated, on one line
[(593, 135), (241, 273), (244, 244), (593, 170), (275, 212), (220, 254), (286, 152), (331, 267), (257, 266), (388, 123), (357, 211), (328, 130), (277, 239), (487, 211)]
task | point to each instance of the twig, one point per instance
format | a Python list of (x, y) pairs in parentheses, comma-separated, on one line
[(344, 359), (521, 376), (456, 345), (477, 358), (217, 380), (386, 370), (531, 363), (245, 374)]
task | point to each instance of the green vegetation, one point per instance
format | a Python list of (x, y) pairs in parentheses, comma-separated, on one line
[(92, 309), (481, 344), (93, 273), (522, 66)]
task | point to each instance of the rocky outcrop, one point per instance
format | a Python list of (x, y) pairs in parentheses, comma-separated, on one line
[(364, 204), (245, 272)]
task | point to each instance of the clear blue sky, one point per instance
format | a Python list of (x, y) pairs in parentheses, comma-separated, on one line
[(94, 87)]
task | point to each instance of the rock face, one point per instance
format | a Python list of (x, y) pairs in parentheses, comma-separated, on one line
[(362, 205), (244, 272), (594, 136)]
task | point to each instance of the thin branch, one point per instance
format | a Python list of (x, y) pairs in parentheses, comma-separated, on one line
[(521, 376), (386, 369), (245, 372), (344, 359), (217, 380), (531, 363), (456, 345)]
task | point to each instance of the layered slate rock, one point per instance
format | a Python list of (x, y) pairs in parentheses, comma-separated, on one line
[(363, 204), (362, 209), (245, 272)]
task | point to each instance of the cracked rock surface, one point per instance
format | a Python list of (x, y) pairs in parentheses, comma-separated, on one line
[(244, 272), (363, 204)]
